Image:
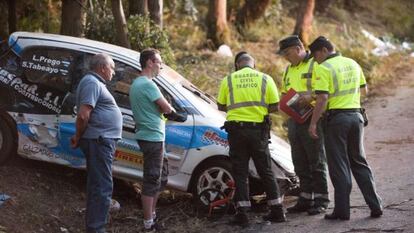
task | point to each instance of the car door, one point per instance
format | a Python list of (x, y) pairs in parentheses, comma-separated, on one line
[(45, 82)]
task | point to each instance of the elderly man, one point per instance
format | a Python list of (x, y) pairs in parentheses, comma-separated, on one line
[(98, 127), (308, 154)]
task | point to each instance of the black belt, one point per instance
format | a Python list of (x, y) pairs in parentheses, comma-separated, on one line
[(335, 111), (246, 124)]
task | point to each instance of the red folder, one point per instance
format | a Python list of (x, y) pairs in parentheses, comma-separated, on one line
[(290, 105)]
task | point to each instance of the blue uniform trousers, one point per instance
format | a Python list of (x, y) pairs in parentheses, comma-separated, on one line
[(345, 153)]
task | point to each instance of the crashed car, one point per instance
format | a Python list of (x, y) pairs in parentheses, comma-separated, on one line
[(39, 74)]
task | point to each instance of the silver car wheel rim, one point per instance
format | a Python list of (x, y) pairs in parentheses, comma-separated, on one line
[(214, 177)]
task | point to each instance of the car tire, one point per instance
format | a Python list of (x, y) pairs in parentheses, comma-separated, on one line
[(214, 174), (8, 141), (6, 98)]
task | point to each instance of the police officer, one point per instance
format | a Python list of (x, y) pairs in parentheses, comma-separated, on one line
[(339, 83), (308, 154), (248, 96)]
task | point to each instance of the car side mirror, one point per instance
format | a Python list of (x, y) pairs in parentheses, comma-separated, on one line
[(176, 116)]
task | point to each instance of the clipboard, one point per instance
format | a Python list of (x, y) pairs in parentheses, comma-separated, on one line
[(290, 105)]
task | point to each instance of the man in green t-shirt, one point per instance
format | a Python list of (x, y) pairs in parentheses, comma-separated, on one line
[(148, 106)]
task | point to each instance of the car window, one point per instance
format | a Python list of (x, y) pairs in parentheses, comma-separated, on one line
[(119, 86), (49, 66)]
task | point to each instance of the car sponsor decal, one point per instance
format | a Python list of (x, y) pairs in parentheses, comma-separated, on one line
[(30, 91), (129, 152), (40, 63), (128, 157), (206, 135)]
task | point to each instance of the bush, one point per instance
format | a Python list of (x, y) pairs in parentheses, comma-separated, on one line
[(144, 33)]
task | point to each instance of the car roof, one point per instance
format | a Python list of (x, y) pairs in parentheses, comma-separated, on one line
[(21, 40)]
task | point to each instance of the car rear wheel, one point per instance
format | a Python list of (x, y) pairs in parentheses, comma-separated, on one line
[(7, 141), (215, 174)]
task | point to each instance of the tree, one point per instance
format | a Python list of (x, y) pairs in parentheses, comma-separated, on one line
[(73, 18), (217, 30), (138, 7), (12, 16), (251, 11), (152, 7), (155, 8), (304, 19), (120, 24)]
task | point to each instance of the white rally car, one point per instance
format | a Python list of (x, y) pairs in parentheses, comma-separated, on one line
[(39, 74)]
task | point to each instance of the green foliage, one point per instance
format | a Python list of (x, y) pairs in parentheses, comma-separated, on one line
[(38, 16), (100, 25), (144, 33)]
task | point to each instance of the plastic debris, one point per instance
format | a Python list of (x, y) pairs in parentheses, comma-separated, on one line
[(384, 46)]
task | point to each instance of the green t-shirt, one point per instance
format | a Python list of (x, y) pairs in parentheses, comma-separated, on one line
[(341, 78), (149, 122), (248, 103)]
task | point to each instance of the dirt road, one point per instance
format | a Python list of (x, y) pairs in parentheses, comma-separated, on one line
[(389, 144), (49, 198)]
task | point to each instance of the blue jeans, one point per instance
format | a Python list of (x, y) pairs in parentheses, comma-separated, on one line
[(99, 155)]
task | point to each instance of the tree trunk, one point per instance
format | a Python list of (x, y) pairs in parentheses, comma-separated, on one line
[(12, 16), (120, 24), (155, 10), (304, 19), (218, 32), (73, 18), (138, 7), (251, 11)]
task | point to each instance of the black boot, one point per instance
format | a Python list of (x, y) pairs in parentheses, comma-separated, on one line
[(301, 206), (320, 206), (240, 219), (276, 214)]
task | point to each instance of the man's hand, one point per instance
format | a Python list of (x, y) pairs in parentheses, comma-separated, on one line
[(304, 100), (312, 131), (74, 142)]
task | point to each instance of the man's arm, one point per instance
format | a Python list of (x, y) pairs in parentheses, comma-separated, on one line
[(321, 100), (222, 107), (164, 106), (364, 91), (82, 120)]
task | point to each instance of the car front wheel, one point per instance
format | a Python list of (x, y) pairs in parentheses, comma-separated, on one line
[(214, 174)]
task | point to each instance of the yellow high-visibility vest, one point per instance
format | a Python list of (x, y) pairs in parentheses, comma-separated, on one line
[(247, 94), (299, 77), (342, 78)]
